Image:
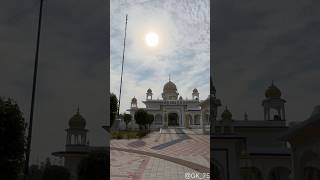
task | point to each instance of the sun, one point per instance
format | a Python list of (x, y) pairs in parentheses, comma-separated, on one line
[(152, 39)]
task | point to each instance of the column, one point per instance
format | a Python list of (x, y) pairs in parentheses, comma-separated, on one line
[(162, 119), (186, 120), (202, 125), (279, 113), (67, 139), (167, 119), (283, 113)]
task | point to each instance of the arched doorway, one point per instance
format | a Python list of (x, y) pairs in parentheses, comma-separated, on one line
[(218, 170), (309, 161), (311, 173), (196, 119), (279, 173), (250, 173), (173, 119)]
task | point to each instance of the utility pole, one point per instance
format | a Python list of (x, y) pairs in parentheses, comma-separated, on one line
[(124, 48), (34, 85)]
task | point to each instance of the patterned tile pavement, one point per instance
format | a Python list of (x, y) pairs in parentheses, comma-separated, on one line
[(176, 143), (131, 166)]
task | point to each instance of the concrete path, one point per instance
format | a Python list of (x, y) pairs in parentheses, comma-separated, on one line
[(184, 151)]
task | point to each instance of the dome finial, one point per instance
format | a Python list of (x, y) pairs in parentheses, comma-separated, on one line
[(226, 115), (246, 116), (169, 77), (273, 91), (77, 121)]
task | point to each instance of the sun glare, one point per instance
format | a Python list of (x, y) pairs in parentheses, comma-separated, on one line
[(152, 39)]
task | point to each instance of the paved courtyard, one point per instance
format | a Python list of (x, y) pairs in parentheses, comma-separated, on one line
[(165, 155)]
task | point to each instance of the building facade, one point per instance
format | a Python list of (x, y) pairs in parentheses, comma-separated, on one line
[(250, 149), (77, 145), (172, 110)]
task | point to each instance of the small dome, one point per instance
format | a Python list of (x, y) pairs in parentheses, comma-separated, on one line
[(169, 87), (134, 100), (77, 121), (149, 91), (195, 90), (273, 92), (180, 98), (226, 115)]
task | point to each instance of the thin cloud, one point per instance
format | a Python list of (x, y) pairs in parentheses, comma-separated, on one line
[(184, 52)]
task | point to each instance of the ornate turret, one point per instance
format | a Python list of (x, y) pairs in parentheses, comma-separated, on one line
[(246, 116), (195, 94), (77, 121), (134, 102), (227, 126), (274, 101), (77, 132), (149, 94), (226, 115)]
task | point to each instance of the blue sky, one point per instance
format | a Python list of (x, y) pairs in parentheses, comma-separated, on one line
[(183, 50)]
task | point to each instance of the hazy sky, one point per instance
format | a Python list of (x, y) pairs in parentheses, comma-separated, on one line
[(256, 42), (183, 50), (72, 67)]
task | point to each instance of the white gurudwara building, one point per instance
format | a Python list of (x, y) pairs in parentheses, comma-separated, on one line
[(173, 110)]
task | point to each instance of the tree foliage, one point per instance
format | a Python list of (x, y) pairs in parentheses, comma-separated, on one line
[(150, 120), (93, 167), (12, 138), (141, 117), (113, 108), (127, 118), (53, 172)]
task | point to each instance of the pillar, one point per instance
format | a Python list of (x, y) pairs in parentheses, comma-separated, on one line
[(283, 113), (202, 124)]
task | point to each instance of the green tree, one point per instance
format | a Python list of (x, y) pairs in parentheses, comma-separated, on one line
[(113, 108), (150, 120), (53, 172), (93, 167), (35, 172), (127, 118), (141, 117), (12, 138)]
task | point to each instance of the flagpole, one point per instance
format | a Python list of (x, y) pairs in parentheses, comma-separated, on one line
[(124, 47), (34, 85)]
